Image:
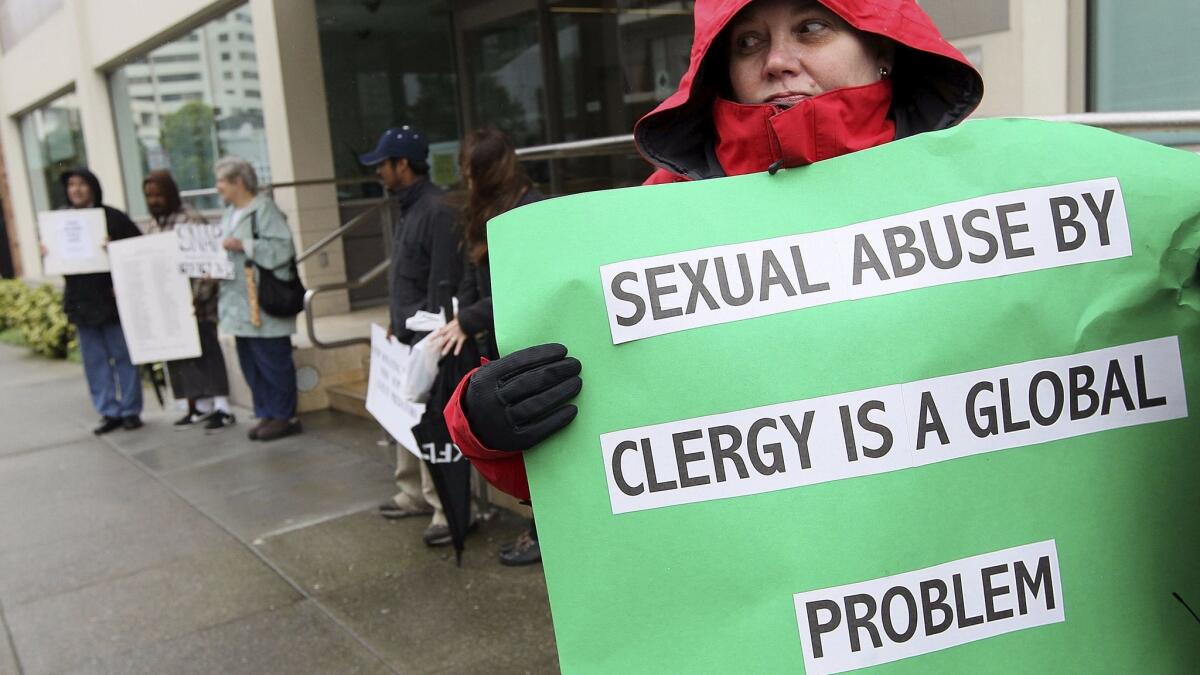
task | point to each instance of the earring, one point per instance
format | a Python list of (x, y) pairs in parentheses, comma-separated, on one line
[(884, 73)]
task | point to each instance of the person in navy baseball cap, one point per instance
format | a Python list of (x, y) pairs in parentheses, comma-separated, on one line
[(425, 260), (400, 158), (402, 142)]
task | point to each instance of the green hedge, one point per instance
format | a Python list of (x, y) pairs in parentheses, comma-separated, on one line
[(36, 314)]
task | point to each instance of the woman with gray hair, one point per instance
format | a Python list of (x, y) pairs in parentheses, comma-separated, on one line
[(256, 231)]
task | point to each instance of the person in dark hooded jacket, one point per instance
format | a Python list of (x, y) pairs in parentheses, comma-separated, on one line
[(91, 305), (771, 84)]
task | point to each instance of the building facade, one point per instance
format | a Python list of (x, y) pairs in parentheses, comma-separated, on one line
[(300, 87)]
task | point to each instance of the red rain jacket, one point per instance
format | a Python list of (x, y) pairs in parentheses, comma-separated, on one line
[(932, 87)]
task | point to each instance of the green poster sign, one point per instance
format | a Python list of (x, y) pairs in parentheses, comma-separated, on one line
[(928, 407)]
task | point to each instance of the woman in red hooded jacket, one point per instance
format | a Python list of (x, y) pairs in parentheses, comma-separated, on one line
[(772, 84)]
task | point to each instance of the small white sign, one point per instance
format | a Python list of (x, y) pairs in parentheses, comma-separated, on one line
[(385, 387), (154, 299), (202, 254), (990, 236), (74, 241), (872, 622), (894, 427)]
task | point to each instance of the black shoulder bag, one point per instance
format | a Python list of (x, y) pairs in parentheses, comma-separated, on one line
[(277, 297)]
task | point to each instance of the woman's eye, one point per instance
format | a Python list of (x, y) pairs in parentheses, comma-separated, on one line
[(748, 42), (812, 26)]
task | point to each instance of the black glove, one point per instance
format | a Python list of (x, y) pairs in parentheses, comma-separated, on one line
[(518, 401)]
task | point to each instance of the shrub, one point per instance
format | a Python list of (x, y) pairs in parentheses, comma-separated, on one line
[(37, 312)]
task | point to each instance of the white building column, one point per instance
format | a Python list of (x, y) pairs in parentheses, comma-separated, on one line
[(297, 128), (95, 112)]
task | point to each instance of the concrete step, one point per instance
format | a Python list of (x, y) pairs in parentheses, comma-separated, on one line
[(350, 398)]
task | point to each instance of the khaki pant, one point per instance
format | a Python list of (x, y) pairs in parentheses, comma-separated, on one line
[(416, 485)]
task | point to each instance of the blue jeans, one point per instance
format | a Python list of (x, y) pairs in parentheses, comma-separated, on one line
[(267, 366), (112, 379)]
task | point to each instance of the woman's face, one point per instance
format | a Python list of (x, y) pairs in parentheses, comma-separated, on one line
[(79, 193), (784, 51), (229, 190)]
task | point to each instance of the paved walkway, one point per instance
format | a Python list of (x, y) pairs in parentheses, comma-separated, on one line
[(158, 551)]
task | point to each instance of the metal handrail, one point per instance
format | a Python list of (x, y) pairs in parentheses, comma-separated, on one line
[(1125, 122), (269, 187), (605, 145), (338, 233), (1131, 122), (310, 294)]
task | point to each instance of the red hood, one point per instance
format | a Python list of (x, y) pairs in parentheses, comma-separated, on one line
[(934, 86)]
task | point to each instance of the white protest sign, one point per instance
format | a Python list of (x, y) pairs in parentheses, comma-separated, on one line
[(882, 620), (154, 299), (385, 386), (894, 427), (74, 241), (990, 236), (201, 252)]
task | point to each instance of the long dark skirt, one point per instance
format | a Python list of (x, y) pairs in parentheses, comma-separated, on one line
[(203, 376)]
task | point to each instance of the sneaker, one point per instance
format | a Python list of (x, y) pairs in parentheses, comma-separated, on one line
[(524, 551), (219, 420), (108, 424), (185, 421), (437, 535), (131, 422)]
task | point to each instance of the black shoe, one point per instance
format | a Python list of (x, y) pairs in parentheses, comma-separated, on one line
[(132, 422), (274, 429), (219, 420), (393, 511), (108, 424), (437, 535), (524, 551), (186, 421)]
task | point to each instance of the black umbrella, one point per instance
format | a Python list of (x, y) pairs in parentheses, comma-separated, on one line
[(451, 472)]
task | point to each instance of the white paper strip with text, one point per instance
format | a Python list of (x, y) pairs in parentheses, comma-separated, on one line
[(900, 426), (990, 236), (882, 620)]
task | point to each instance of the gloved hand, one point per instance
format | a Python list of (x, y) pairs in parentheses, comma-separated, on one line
[(518, 401)]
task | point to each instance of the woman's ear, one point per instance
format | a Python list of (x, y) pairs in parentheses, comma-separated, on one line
[(886, 55)]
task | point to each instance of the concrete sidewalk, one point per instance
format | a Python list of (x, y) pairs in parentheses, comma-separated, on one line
[(157, 551)]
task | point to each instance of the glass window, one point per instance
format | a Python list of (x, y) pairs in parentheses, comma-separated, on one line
[(385, 65), (53, 140), (616, 62), (183, 120), (504, 59), (1138, 58), (1138, 55)]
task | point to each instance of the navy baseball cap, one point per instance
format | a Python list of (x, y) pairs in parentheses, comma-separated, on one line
[(398, 143)]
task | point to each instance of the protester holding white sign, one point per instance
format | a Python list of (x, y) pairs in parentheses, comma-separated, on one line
[(90, 303), (154, 299), (73, 241), (201, 381)]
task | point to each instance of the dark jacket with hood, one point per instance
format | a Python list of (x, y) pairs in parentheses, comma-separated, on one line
[(932, 87), (475, 315), (426, 264), (88, 299)]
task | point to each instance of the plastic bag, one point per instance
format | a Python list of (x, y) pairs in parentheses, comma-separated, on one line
[(423, 366)]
